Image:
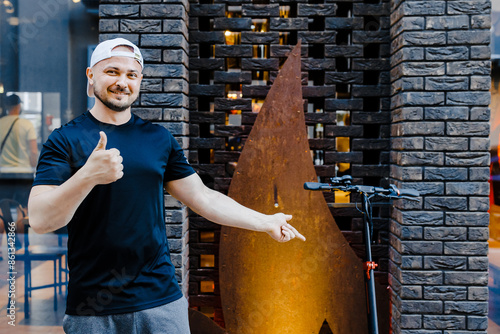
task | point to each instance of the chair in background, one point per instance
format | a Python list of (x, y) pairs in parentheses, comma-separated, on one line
[(11, 211)]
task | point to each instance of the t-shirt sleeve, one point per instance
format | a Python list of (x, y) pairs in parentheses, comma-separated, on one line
[(31, 134), (177, 166), (54, 166)]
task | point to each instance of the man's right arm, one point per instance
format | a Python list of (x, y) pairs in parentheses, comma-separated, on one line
[(33, 152), (52, 207)]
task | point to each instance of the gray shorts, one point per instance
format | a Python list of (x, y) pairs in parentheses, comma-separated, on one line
[(168, 318)]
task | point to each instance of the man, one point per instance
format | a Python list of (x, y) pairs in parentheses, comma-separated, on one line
[(103, 176), (18, 149)]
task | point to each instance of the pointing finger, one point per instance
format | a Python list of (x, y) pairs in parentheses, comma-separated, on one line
[(297, 233)]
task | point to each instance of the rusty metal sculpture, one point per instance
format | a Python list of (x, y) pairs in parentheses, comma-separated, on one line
[(268, 287), (201, 324)]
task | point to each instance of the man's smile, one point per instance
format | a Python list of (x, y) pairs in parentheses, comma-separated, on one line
[(118, 92)]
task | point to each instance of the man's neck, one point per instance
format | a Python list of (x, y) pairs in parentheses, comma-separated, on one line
[(108, 116)]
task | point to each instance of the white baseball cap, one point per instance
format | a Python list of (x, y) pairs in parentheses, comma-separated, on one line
[(104, 50)]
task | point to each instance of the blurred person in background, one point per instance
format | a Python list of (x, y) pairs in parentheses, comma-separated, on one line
[(18, 150)]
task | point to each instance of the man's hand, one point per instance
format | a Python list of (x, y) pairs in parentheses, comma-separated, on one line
[(104, 166), (280, 230), (46, 212)]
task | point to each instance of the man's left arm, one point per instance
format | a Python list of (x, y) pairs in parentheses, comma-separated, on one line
[(223, 210)]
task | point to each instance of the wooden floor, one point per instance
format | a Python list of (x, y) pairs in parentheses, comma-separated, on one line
[(43, 318)]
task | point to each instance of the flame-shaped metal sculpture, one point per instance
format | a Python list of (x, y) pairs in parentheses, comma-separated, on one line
[(270, 287)]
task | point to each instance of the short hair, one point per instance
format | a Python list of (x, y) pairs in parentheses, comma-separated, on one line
[(11, 101)]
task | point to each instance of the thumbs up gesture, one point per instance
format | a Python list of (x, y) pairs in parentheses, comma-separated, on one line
[(104, 166), (103, 141)]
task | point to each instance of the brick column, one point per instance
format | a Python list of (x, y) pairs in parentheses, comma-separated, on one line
[(440, 79), (160, 31)]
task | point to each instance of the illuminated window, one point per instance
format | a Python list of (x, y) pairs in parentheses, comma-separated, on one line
[(284, 11), (257, 105), (260, 77), (207, 287), (207, 260), (233, 12), (260, 25), (207, 236), (288, 10), (260, 51), (288, 38), (232, 37)]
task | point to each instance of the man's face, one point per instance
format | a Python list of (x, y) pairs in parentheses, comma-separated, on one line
[(116, 81)]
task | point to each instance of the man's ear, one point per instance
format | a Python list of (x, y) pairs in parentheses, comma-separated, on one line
[(90, 75)]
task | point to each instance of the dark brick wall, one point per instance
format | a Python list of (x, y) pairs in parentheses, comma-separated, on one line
[(440, 82), (345, 75), (393, 90), (160, 31)]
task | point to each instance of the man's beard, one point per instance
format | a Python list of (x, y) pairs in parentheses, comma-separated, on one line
[(111, 105)]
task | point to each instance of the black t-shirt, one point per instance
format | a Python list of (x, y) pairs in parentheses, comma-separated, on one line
[(118, 252)]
